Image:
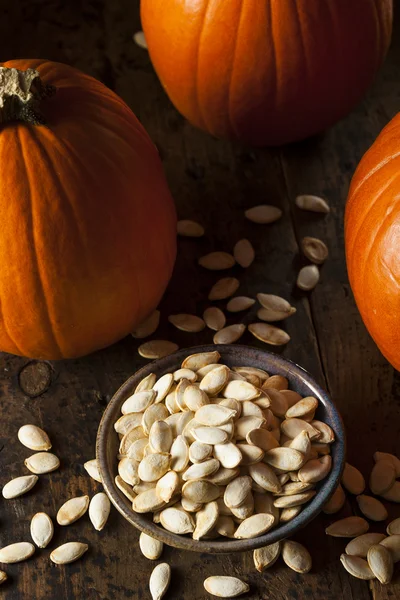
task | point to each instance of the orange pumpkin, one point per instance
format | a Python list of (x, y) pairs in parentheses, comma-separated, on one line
[(372, 237), (266, 71), (88, 226)]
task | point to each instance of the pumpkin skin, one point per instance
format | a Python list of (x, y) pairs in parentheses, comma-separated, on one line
[(266, 72), (372, 238), (88, 234)]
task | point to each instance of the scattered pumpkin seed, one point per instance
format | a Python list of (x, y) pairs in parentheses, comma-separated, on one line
[(382, 477), (394, 527), (296, 556), (99, 510), (353, 480), (239, 303), (42, 462), (267, 556), (224, 288), (390, 457), (230, 334), (269, 334), (314, 249), (214, 318), (217, 261), (274, 308), (150, 547), (243, 253), (185, 322), (68, 553), (148, 326), (356, 566), (263, 214), (19, 486), (393, 493), (72, 510), (312, 203), (188, 228), (159, 581), (372, 508), (392, 543), (140, 40), (42, 529), (348, 527), (308, 278), (157, 349), (380, 562), (34, 438), (15, 553), (360, 545), (223, 586)]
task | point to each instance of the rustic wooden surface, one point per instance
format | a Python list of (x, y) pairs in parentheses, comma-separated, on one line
[(212, 181)]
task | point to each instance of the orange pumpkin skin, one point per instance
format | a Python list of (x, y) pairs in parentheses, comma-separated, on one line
[(372, 238), (88, 226), (266, 72)]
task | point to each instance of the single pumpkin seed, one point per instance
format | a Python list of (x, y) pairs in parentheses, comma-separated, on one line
[(394, 527), (200, 490), (274, 308), (225, 526), (276, 382), (353, 480), (294, 500), (200, 360), (250, 454), (210, 435), (308, 278), (19, 486), (144, 486), (99, 510), (250, 409), (380, 561), (146, 383), (148, 326), (177, 521), (292, 427), (128, 471), (289, 513), (153, 467), (157, 349), (150, 547), (263, 214), (187, 424), (382, 477), (316, 469), (42, 529), (185, 322), (68, 553), (237, 491), (224, 288), (168, 486), (163, 386), (269, 334), (265, 477), (34, 438), (215, 380), (223, 586), (293, 487), (285, 459), (140, 40), (129, 438), (230, 403), (202, 372), (198, 452), (239, 303), (391, 457), (392, 543), (312, 203), (372, 508), (291, 396), (302, 408), (244, 425), (190, 506), (243, 253), (72, 510), (277, 402), (348, 527), (201, 470), (320, 449), (159, 581), (137, 403), (224, 476), (217, 261), (42, 462), (155, 412), (267, 556), (301, 443), (214, 318), (314, 249), (327, 434), (360, 545), (230, 334), (263, 375), (214, 415), (296, 556), (185, 374), (356, 566), (15, 553), (283, 478), (147, 501), (160, 437), (393, 494), (188, 228), (125, 488), (262, 438), (180, 393), (206, 518), (128, 422), (254, 526), (241, 390)]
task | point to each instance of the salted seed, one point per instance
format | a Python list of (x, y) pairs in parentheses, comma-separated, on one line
[(267, 556), (224, 288), (239, 303), (302, 408), (42, 529), (72, 510), (315, 469), (265, 477), (262, 438), (296, 556), (128, 422), (163, 386), (224, 476), (348, 527), (168, 486), (128, 471), (292, 427), (356, 566), (206, 518), (68, 553), (380, 562), (200, 360), (125, 488), (308, 278), (210, 435), (199, 452), (15, 553), (159, 581), (147, 501), (289, 513), (99, 510), (42, 462), (223, 586), (185, 374), (34, 438), (188, 228), (137, 403), (185, 322), (274, 308), (129, 438), (150, 547), (285, 459), (360, 545), (146, 383), (237, 491), (217, 261), (148, 326), (194, 398), (312, 203), (225, 526), (153, 413), (372, 508), (254, 526), (157, 349), (230, 334), (241, 390), (243, 253), (19, 486), (314, 249), (214, 318), (201, 470), (160, 437), (214, 415), (177, 521), (200, 491), (250, 454), (327, 434), (269, 334), (215, 380), (153, 467)]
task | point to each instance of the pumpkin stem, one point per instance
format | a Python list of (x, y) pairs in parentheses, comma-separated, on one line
[(20, 95)]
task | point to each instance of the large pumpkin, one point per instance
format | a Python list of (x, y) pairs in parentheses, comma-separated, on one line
[(266, 71), (88, 231), (372, 236)]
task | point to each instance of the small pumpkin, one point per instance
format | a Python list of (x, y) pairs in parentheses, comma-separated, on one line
[(266, 71), (372, 238), (88, 226)]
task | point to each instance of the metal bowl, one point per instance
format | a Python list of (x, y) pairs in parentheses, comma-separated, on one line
[(299, 380)]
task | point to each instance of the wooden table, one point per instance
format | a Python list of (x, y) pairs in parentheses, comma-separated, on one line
[(212, 181)]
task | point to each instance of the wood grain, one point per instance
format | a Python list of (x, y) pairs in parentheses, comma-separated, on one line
[(212, 181)]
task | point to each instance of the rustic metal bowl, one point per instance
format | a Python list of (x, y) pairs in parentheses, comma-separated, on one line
[(299, 380)]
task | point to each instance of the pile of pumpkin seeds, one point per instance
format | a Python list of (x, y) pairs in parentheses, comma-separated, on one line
[(272, 308)]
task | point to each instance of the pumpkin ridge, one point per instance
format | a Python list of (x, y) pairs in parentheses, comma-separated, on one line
[(231, 79), (274, 56), (196, 77), (34, 251)]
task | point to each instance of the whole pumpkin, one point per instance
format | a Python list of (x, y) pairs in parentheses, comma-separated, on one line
[(266, 71), (372, 237), (88, 226)]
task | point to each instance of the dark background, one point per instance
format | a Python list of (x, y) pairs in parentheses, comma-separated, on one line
[(212, 181)]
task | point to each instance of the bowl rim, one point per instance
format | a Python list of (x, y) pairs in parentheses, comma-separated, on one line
[(140, 521)]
